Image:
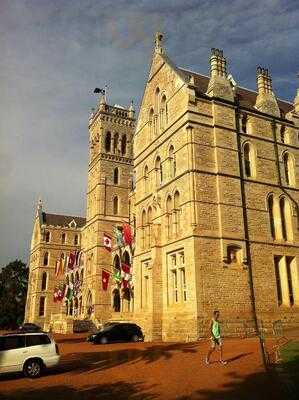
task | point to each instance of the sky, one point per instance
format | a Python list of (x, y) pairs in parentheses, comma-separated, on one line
[(55, 52)]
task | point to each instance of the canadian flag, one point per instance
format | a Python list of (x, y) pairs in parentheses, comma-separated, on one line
[(105, 279), (107, 242)]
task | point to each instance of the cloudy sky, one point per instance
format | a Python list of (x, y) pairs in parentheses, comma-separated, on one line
[(53, 54)]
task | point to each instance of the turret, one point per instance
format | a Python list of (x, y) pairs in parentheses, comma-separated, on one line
[(266, 100), (131, 109), (219, 85)]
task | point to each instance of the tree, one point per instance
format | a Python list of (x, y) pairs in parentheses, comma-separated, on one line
[(13, 291)]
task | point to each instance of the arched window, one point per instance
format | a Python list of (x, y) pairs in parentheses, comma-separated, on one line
[(249, 166), (44, 281), (169, 216), (271, 215), (163, 119), (123, 145), (146, 179), (115, 176), (116, 262), (244, 123), (115, 205), (47, 237), (126, 258), (41, 311), (159, 172), (149, 226), (46, 258), (143, 227), (151, 122), (157, 111), (108, 142), (115, 143), (76, 240), (286, 219), (289, 169), (63, 238), (177, 212), (172, 162)]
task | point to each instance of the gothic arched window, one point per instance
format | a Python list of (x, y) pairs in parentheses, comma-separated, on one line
[(47, 237), (115, 143), (177, 212), (172, 162), (123, 145), (271, 215), (249, 160), (115, 205), (286, 219), (169, 215), (44, 281), (46, 258), (146, 177), (108, 142), (63, 238), (115, 176), (289, 169), (159, 172)]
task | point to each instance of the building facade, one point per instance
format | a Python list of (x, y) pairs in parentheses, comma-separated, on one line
[(208, 181)]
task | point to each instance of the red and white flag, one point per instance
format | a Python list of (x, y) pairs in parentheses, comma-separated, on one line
[(107, 242), (105, 279)]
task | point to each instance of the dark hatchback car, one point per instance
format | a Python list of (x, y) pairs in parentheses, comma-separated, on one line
[(29, 327), (117, 332)]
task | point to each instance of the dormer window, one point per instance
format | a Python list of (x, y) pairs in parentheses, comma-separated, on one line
[(73, 224)]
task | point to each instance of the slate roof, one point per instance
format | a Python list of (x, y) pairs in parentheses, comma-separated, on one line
[(246, 97), (62, 220)]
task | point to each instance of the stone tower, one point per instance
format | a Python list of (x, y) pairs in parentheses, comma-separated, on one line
[(109, 182)]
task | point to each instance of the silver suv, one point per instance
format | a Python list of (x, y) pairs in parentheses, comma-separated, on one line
[(27, 352)]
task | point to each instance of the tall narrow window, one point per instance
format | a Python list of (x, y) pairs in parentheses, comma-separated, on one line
[(115, 143), (277, 277), (123, 145), (76, 240), (289, 169), (149, 226), (41, 311), (244, 123), (169, 216), (63, 238), (271, 215), (175, 285), (143, 227), (163, 121), (172, 164), (108, 142), (47, 237), (151, 122), (44, 281), (159, 172), (46, 258), (115, 176), (248, 160), (177, 212), (282, 133), (290, 283), (145, 176), (283, 218), (115, 205)]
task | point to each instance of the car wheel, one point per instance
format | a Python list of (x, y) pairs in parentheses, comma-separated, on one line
[(104, 340), (33, 368), (135, 338)]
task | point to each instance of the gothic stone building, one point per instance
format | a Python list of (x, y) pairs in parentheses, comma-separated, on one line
[(214, 205)]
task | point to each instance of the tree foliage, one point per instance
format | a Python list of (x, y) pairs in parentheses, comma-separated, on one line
[(13, 291)]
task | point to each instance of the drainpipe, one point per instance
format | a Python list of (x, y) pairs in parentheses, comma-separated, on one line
[(246, 234)]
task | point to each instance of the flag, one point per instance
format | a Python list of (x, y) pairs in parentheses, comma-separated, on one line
[(66, 288), (117, 276), (105, 279), (127, 234), (99, 90), (118, 237), (107, 242), (72, 259), (69, 294), (125, 268)]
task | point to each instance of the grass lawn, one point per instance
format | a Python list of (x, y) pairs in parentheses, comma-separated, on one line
[(290, 357)]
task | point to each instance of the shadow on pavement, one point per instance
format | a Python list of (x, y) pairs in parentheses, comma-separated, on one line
[(118, 390)]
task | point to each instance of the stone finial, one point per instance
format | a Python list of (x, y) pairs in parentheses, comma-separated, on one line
[(131, 109), (40, 204), (102, 103), (296, 100), (219, 85), (158, 42), (266, 101)]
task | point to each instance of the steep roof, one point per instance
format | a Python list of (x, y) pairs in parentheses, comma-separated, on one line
[(246, 97), (62, 220)]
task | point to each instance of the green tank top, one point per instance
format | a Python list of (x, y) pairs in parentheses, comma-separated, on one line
[(216, 329)]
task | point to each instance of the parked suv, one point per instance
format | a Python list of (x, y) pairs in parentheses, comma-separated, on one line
[(117, 332), (27, 352)]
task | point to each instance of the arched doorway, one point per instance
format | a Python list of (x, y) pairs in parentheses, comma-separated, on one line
[(116, 300)]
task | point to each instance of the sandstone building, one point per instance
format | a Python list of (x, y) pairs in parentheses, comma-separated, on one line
[(208, 179)]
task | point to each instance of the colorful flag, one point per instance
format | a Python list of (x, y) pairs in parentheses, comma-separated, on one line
[(118, 237), (105, 279), (107, 242), (127, 234), (126, 268), (117, 276), (72, 259)]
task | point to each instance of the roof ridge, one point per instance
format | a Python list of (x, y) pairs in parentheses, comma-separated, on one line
[(240, 87), (64, 215)]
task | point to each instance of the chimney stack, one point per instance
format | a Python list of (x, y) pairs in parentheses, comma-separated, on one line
[(219, 85), (266, 101)]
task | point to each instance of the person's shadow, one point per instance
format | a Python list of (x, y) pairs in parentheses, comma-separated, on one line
[(237, 357)]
